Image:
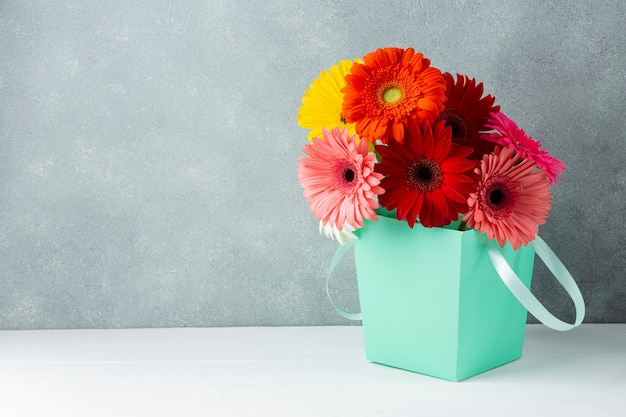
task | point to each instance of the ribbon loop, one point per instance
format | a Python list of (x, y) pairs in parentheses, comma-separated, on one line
[(341, 251), (510, 279), (527, 299)]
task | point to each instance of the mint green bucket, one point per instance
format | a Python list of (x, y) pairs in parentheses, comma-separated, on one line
[(432, 301)]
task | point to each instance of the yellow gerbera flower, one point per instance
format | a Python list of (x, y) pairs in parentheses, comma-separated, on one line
[(322, 103)]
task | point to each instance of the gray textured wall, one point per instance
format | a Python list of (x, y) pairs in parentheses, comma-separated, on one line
[(148, 149)]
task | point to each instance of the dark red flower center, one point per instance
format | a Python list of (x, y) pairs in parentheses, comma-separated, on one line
[(460, 130), (496, 196), (349, 175), (425, 174), (346, 174), (499, 197)]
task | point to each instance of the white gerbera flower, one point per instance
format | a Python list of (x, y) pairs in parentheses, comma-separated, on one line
[(344, 236)]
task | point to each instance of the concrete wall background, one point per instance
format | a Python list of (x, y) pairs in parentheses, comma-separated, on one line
[(148, 149)]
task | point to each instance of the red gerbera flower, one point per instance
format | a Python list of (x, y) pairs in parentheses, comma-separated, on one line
[(426, 177), (391, 88), (466, 112)]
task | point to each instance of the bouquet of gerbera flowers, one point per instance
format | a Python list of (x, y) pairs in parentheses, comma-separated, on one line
[(391, 130)]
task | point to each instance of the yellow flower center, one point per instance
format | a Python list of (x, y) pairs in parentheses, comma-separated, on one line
[(392, 94)]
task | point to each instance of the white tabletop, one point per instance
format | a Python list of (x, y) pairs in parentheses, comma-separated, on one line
[(296, 371)]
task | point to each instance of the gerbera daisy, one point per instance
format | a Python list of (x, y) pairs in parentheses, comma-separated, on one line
[(339, 180), (426, 177), (343, 236), (466, 112), (391, 88), (321, 104), (509, 135), (511, 200)]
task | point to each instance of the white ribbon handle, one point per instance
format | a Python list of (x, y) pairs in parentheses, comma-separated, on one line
[(510, 279), (341, 250), (527, 299)]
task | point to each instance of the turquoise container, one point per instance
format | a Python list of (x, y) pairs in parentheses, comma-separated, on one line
[(432, 302)]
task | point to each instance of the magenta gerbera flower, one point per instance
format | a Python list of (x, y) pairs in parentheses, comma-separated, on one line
[(507, 134), (511, 200), (339, 180)]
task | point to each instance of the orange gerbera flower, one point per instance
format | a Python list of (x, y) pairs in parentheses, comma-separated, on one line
[(391, 88)]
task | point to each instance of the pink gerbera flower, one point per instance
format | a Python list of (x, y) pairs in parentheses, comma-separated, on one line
[(339, 180), (512, 198), (509, 135)]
